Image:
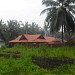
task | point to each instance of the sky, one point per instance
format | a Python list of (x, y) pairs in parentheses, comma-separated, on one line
[(22, 10)]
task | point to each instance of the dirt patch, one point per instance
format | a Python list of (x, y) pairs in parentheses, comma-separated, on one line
[(6, 55), (52, 62), (10, 54)]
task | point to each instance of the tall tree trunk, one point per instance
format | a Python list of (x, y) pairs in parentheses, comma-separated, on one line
[(62, 27), (62, 34)]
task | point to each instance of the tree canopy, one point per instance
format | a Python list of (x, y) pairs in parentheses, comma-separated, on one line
[(60, 16), (14, 28), (59, 12)]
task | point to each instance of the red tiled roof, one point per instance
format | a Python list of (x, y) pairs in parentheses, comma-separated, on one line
[(34, 38), (49, 39)]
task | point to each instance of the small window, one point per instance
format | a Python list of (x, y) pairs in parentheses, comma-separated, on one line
[(41, 37), (23, 38)]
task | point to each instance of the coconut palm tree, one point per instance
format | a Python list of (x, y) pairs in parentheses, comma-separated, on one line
[(13, 28), (59, 15)]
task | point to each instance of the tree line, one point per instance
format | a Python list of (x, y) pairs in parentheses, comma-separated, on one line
[(60, 20), (13, 28)]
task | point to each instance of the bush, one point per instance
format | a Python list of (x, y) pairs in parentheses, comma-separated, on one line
[(25, 66), (4, 47)]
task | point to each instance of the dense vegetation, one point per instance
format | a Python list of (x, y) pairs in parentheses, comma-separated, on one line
[(60, 16), (20, 60), (25, 66), (13, 28)]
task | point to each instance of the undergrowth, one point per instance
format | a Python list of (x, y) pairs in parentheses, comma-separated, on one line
[(25, 66)]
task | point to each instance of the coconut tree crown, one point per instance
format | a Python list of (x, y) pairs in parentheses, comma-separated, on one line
[(60, 13)]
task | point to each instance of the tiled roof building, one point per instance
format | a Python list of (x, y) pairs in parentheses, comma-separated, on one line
[(37, 38)]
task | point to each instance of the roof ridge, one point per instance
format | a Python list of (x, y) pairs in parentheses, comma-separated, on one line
[(31, 34)]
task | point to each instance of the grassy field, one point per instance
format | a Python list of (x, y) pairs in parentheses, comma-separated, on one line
[(25, 66)]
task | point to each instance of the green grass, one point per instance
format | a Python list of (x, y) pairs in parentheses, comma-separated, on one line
[(25, 66)]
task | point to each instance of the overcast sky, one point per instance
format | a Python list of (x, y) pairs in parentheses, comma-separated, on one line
[(24, 10)]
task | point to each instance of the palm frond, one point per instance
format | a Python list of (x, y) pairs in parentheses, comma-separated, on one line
[(71, 1), (72, 10), (52, 25), (71, 15), (59, 21), (60, 1), (72, 6), (50, 3), (70, 22), (48, 9), (50, 14)]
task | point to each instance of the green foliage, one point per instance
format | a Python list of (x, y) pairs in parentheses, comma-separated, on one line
[(25, 66), (13, 28), (60, 14), (4, 47)]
